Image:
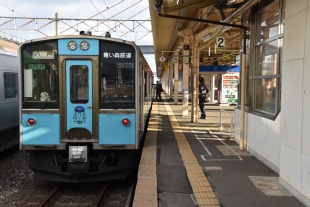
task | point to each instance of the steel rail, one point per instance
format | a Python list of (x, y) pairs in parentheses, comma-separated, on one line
[(50, 197), (98, 201), (130, 194)]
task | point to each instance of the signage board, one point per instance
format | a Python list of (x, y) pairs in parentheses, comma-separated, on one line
[(175, 59), (220, 43), (230, 83), (166, 66), (162, 59)]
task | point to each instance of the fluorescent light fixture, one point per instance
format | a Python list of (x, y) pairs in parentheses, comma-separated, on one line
[(215, 48), (226, 28), (206, 38), (230, 2)]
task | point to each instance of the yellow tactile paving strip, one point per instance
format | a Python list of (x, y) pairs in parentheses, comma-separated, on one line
[(203, 192)]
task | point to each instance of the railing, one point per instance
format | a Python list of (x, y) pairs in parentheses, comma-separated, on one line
[(231, 121)]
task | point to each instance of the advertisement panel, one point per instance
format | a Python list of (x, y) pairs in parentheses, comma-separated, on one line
[(230, 83)]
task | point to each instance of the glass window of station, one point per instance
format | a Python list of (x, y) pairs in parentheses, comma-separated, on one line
[(117, 76), (266, 74), (40, 76)]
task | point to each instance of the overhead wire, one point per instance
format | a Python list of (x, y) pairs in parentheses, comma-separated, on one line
[(102, 15), (12, 10), (12, 23)]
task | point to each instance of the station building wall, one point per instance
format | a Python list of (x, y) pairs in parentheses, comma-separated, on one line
[(283, 144)]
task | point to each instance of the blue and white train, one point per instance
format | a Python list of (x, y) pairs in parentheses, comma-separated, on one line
[(85, 102), (9, 132)]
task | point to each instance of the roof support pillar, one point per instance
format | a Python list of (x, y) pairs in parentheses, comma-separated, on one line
[(170, 80), (185, 81), (176, 78), (194, 81)]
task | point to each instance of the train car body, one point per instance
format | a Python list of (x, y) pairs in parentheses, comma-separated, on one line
[(9, 121), (85, 101)]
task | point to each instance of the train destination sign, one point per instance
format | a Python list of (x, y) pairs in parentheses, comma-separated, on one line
[(36, 66), (42, 55)]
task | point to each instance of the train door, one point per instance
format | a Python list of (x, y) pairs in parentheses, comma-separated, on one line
[(79, 99)]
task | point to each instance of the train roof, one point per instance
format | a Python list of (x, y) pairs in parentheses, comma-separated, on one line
[(80, 37)]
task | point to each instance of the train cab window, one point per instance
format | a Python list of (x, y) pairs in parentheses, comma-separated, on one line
[(79, 87), (117, 76), (10, 85), (117, 85), (40, 76)]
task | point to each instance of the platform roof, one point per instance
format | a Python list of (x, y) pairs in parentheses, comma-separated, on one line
[(165, 30)]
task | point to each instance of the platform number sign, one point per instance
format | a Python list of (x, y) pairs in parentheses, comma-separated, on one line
[(220, 43)]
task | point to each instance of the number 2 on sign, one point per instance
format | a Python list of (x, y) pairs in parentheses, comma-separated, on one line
[(220, 42)]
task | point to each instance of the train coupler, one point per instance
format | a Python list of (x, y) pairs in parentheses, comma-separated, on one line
[(78, 160)]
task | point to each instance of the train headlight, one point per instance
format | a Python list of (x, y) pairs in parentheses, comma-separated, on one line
[(126, 122), (72, 45), (31, 121), (84, 45), (77, 153)]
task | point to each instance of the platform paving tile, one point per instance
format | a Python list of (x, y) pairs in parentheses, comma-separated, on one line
[(147, 171), (144, 198)]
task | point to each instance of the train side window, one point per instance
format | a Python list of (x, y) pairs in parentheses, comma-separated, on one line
[(10, 85)]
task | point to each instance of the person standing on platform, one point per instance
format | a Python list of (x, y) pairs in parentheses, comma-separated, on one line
[(159, 89), (203, 90)]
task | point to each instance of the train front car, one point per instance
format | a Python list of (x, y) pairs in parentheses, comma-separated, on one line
[(83, 107)]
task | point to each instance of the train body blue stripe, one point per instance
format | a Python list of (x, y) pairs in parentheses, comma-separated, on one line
[(113, 131), (46, 131), (63, 49)]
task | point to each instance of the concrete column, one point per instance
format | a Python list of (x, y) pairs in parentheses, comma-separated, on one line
[(185, 77), (170, 79), (176, 78), (194, 82), (166, 80)]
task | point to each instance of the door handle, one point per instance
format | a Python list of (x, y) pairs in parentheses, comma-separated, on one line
[(90, 106)]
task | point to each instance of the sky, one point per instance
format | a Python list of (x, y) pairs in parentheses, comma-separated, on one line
[(78, 9)]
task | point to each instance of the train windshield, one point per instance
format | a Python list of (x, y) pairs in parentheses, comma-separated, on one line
[(40, 76), (117, 77)]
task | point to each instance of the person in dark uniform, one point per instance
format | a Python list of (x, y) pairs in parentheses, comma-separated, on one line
[(159, 89), (203, 90)]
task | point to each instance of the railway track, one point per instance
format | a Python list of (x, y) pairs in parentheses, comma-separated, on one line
[(92, 195), (62, 195)]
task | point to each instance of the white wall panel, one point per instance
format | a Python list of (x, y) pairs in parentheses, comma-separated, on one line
[(294, 37), (237, 125), (295, 7), (290, 166), (306, 94), (274, 141), (305, 175), (246, 126), (261, 135), (251, 131), (291, 105)]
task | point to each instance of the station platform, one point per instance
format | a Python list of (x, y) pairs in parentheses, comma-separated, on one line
[(197, 164)]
